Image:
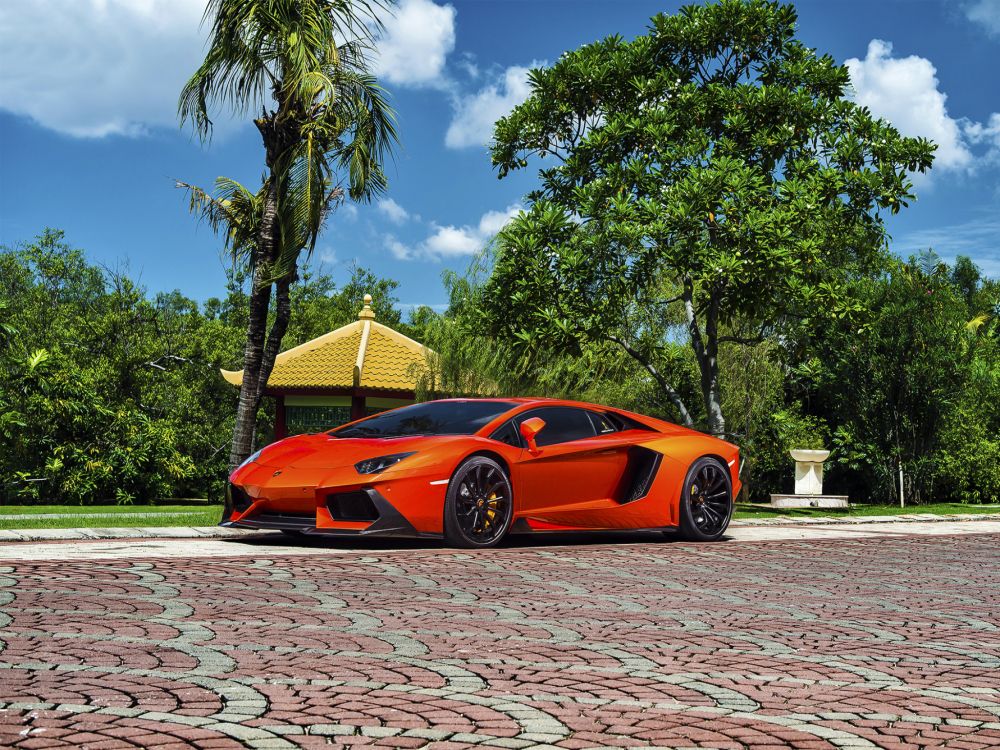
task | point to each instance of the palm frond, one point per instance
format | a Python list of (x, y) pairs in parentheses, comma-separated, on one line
[(233, 210), (260, 47), (977, 322), (310, 60)]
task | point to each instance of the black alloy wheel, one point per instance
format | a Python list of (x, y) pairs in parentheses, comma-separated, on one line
[(706, 501), (479, 504)]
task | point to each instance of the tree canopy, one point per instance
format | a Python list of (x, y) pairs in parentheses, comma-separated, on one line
[(711, 180), (109, 393)]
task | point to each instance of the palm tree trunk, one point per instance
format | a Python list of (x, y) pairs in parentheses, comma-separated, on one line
[(253, 354), (282, 315), (246, 413)]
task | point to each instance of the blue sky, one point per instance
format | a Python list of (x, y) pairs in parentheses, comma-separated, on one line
[(89, 141)]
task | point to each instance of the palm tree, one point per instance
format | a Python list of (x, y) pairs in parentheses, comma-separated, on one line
[(326, 128)]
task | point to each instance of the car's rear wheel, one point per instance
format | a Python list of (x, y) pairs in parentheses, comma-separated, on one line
[(479, 505), (706, 501)]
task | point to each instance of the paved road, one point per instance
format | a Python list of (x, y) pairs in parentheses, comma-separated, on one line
[(186, 543), (874, 641)]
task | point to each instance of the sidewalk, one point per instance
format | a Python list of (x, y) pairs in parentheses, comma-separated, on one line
[(217, 532)]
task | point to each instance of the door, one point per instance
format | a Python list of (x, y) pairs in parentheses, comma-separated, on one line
[(576, 468)]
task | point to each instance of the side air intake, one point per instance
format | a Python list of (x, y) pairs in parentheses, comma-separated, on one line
[(639, 474)]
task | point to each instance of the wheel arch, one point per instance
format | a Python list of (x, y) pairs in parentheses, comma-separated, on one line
[(717, 457), (486, 453), (725, 467), (732, 471)]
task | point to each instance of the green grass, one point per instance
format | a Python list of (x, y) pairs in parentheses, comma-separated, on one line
[(744, 510), (105, 516), (104, 510)]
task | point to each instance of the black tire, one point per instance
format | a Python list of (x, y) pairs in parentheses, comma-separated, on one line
[(706, 503), (479, 505)]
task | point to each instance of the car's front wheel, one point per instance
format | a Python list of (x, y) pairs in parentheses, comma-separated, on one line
[(706, 501), (479, 505)]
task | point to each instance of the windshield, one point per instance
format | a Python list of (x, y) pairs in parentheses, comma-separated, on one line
[(430, 418)]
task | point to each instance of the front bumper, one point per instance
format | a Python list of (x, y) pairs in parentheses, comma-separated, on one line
[(360, 512)]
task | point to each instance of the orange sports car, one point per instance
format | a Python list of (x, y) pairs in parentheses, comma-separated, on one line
[(473, 470)]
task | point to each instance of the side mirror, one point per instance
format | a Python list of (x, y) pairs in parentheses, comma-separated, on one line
[(530, 428)]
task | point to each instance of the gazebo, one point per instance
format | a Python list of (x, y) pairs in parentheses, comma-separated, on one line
[(359, 369)]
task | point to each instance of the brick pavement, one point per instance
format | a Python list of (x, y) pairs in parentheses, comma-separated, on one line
[(852, 643)]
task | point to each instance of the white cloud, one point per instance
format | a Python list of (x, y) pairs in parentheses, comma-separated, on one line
[(475, 114), (905, 92), (989, 134), (416, 43), (91, 68), (327, 254), (398, 249), (986, 13), (449, 241), (414, 50), (467, 63), (349, 210), (393, 211), (492, 222)]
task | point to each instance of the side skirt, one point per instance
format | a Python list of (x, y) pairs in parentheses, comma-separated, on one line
[(520, 526)]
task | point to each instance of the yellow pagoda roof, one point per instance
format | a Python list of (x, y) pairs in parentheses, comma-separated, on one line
[(362, 354)]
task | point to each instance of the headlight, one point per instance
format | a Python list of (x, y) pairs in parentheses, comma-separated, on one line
[(376, 465), (250, 459)]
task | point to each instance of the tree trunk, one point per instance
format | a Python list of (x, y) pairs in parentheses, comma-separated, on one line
[(706, 349), (669, 390), (246, 413), (253, 355), (710, 373), (282, 315)]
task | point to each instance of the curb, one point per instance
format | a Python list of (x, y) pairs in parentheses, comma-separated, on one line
[(149, 532), (218, 532), (852, 521)]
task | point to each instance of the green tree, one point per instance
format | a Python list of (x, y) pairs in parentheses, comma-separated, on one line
[(79, 416), (892, 386), (326, 128), (711, 181), (468, 361)]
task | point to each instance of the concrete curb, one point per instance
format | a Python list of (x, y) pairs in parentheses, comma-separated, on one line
[(217, 532), (149, 532), (854, 520)]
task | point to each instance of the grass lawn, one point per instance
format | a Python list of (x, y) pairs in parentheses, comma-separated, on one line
[(745, 510), (103, 516)]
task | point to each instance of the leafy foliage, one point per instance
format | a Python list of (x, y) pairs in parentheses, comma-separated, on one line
[(713, 164), (912, 387), (107, 394)]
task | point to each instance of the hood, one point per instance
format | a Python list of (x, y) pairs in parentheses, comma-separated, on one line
[(328, 452)]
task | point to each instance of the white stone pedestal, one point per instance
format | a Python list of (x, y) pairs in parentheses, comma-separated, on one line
[(809, 471), (809, 483)]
